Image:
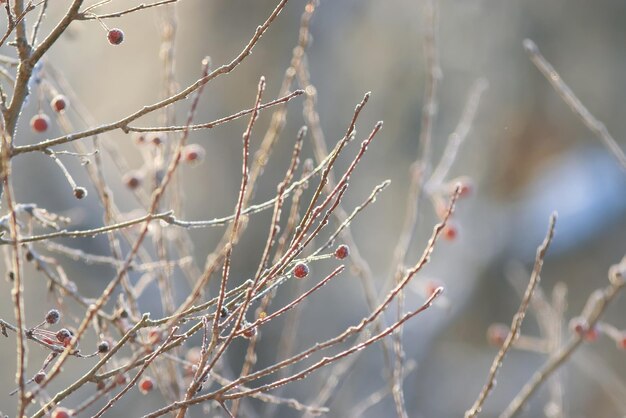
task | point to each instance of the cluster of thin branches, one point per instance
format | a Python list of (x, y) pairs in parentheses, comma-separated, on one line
[(188, 374), (308, 225)]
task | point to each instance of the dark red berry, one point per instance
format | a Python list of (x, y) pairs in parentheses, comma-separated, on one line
[(139, 138), (39, 377), (40, 122), (80, 192), (342, 252), (63, 334), (301, 270), (53, 316), (193, 153), (146, 385), (115, 36), (249, 332), (579, 325), (59, 103), (132, 179), (157, 138)]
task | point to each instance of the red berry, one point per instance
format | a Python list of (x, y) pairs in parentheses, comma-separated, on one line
[(155, 336), (497, 333), (592, 335), (59, 103), (157, 138), (40, 122), (342, 252), (39, 377), (432, 286), (301, 270), (115, 36), (193, 153), (132, 179), (450, 232), (63, 334), (139, 138), (61, 413), (621, 342), (579, 325), (465, 188), (120, 379), (53, 316), (146, 385), (80, 192), (249, 332)]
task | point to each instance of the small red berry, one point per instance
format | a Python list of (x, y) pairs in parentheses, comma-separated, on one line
[(53, 316), (155, 336), (342, 252), (80, 192), (249, 332), (146, 385), (579, 325), (39, 377), (59, 103), (120, 379), (157, 138), (465, 188), (40, 122), (115, 36), (301, 270), (61, 413), (450, 232), (63, 334), (132, 179), (432, 286), (592, 335), (497, 334), (140, 138), (193, 153)]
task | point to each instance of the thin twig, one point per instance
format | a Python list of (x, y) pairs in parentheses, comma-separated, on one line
[(596, 306), (518, 318), (573, 102)]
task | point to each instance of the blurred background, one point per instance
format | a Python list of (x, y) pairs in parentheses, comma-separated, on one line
[(527, 155)]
